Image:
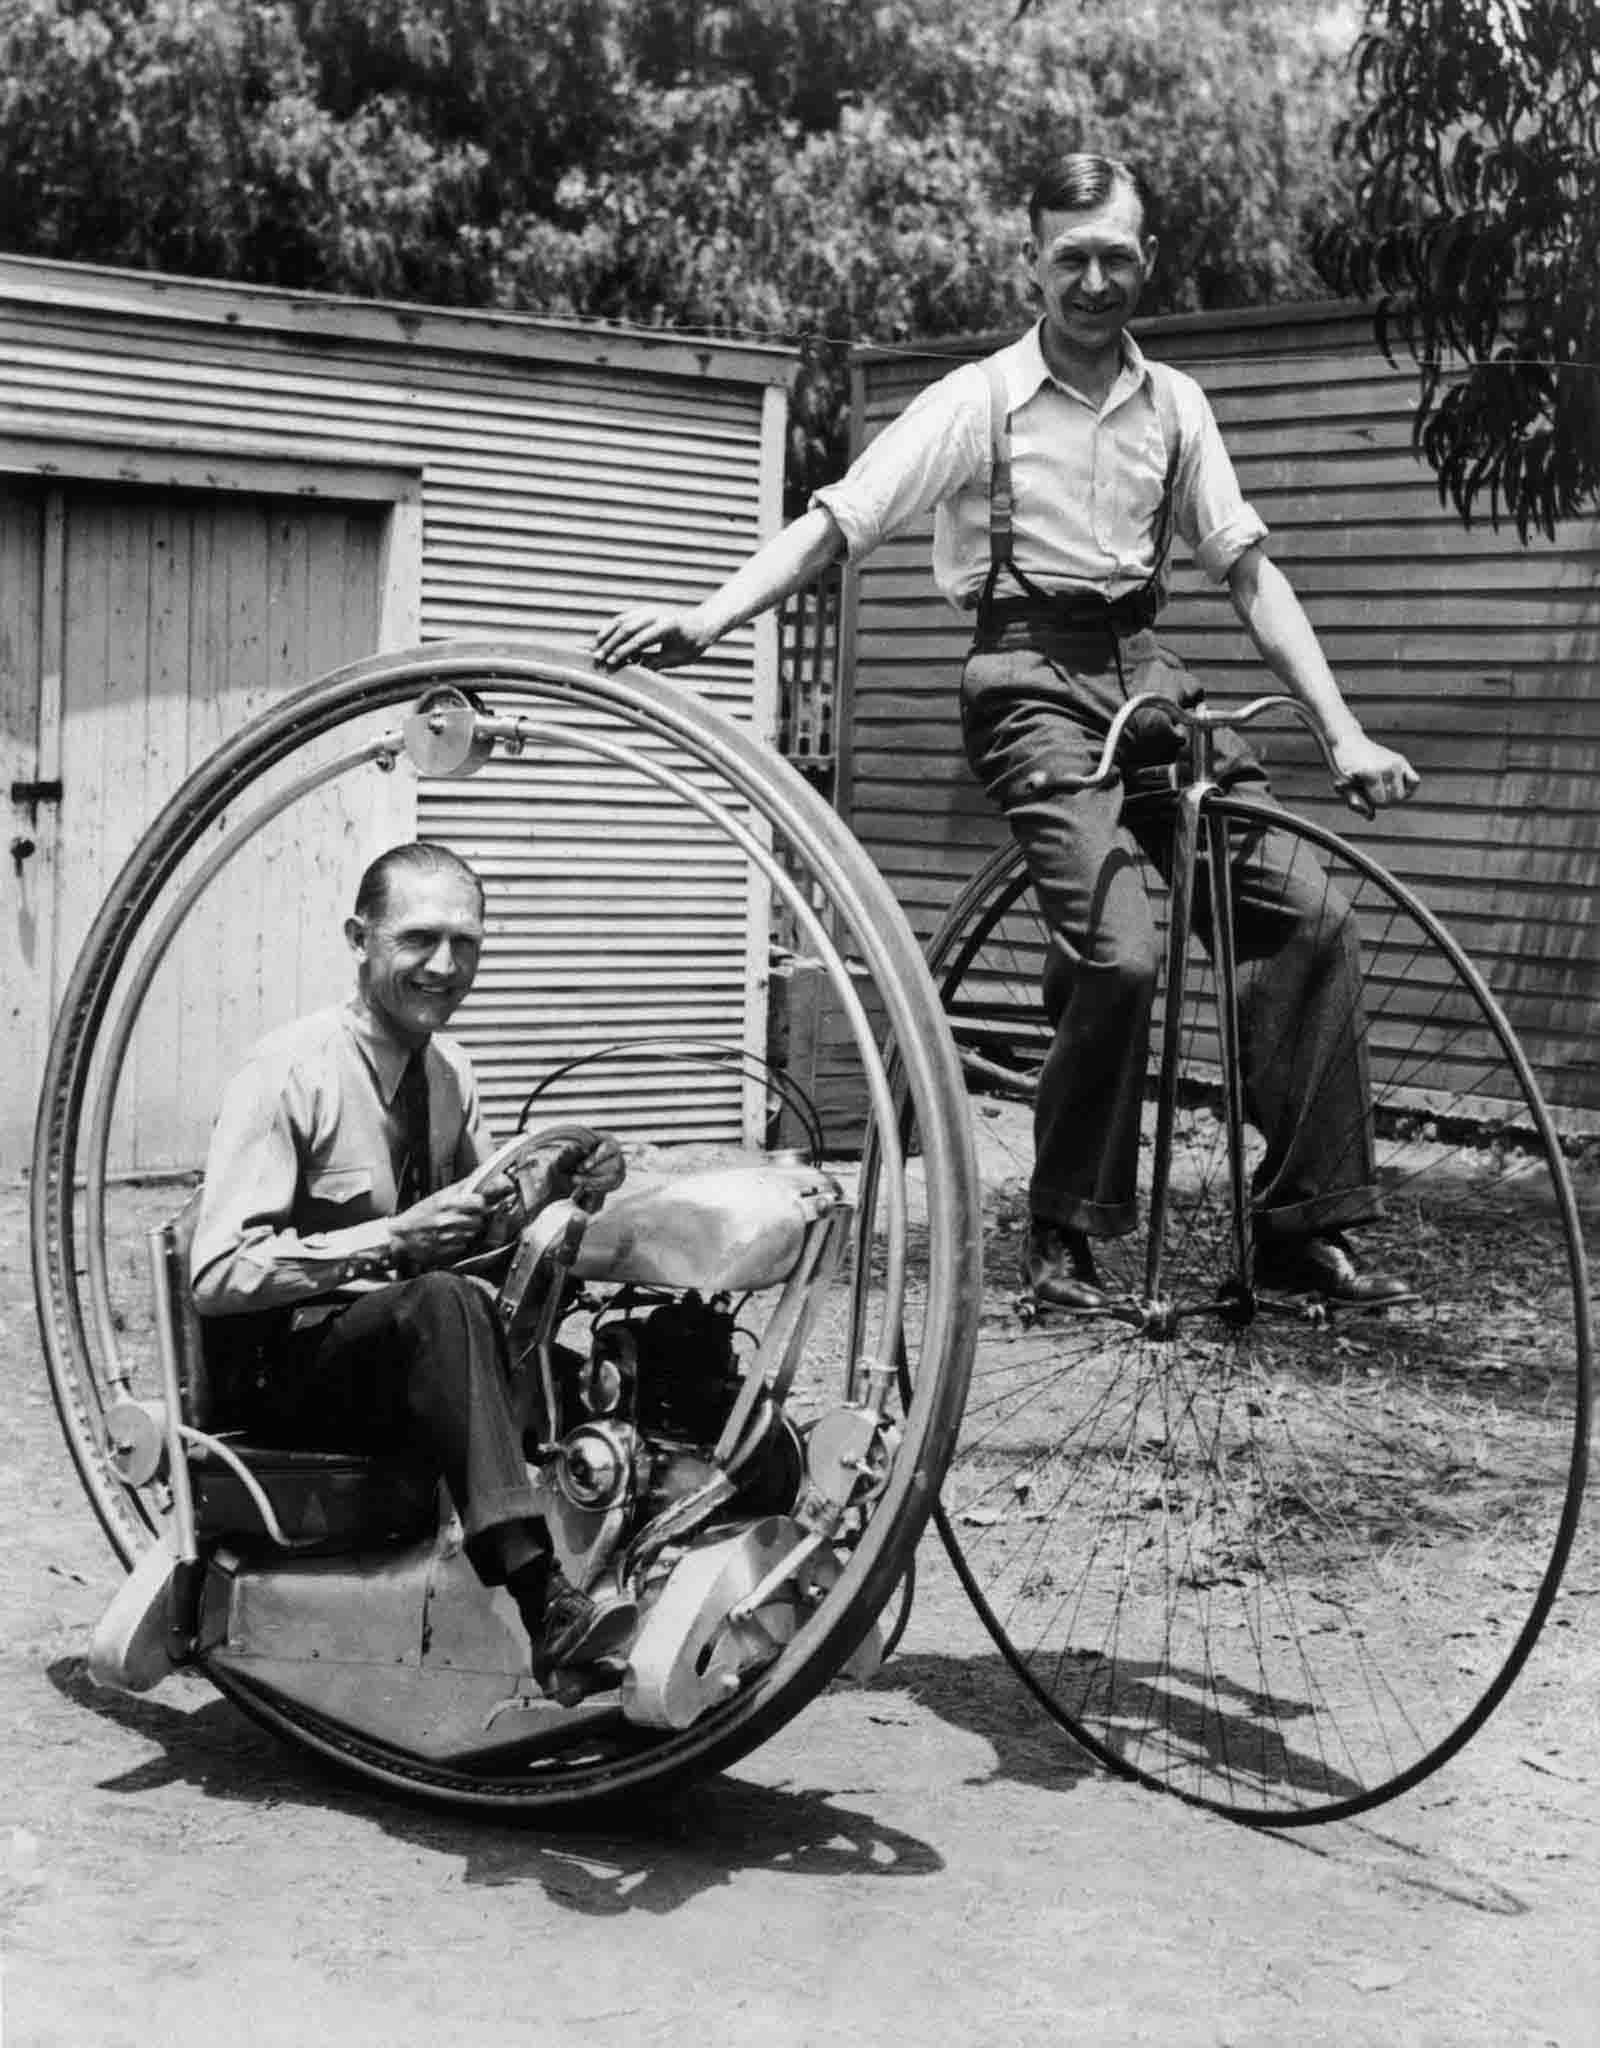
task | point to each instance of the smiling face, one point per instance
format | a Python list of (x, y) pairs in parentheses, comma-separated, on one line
[(1089, 267), (418, 957)]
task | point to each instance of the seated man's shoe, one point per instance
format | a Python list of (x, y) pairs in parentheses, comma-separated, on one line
[(575, 1630), (1058, 1269), (1323, 1264)]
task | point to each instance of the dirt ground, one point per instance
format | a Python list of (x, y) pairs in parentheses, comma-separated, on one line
[(923, 1858)]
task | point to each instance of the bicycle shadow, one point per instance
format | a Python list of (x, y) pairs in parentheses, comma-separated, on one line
[(1234, 1742), (671, 1848), (983, 1696), (980, 1696)]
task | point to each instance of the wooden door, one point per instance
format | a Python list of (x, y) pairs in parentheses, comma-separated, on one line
[(161, 621)]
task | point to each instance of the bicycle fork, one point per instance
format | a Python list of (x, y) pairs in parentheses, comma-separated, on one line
[(1193, 818)]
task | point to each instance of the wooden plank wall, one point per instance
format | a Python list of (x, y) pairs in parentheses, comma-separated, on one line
[(1474, 654), (182, 620)]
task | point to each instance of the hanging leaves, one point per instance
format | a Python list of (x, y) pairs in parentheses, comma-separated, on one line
[(1476, 226)]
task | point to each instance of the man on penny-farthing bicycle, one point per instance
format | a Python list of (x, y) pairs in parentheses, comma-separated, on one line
[(341, 1186), (1058, 469)]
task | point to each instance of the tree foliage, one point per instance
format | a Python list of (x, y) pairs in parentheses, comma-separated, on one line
[(1477, 222), (832, 170)]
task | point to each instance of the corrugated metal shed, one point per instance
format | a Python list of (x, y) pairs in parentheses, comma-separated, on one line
[(1474, 654), (522, 477)]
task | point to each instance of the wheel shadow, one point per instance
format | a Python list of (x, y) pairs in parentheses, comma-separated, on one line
[(673, 1847)]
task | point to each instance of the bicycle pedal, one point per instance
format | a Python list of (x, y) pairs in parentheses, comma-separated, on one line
[(1030, 1310)]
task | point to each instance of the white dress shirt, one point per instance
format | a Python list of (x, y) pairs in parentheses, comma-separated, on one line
[(1088, 482)]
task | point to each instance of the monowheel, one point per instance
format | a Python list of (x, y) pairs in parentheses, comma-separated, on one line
[(823, 1412), (1279, 1560)]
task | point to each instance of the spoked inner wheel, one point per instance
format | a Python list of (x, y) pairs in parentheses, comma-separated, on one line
[(830, 903), (1279, 1561)]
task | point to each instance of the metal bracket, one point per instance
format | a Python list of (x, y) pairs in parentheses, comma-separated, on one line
[(32, 794), (445, 735)]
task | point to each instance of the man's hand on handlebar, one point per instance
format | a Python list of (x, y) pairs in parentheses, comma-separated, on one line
[(439, 1229), (588, 1176), (445, 1227), (584, 1173), (653, 636), (1376, 773)]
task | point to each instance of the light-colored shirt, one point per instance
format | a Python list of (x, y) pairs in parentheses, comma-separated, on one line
[(301, 1173), (1088, 482)]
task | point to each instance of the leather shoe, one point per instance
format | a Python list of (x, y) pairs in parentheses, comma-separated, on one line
[(576, 1630), (1058, 1269), (1324, 1265)]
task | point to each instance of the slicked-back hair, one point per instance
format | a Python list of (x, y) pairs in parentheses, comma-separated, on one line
[(415, 857), (1075, 183)]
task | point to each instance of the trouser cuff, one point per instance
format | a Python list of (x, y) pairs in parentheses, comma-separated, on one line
[(490, 1512), (1342, 1211), (1094, 1219)]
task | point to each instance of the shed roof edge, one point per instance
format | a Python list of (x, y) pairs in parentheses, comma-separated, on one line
[(319, 320)]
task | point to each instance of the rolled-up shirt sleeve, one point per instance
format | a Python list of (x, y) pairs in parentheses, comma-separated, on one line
[(246, 1253), (1209, 509), (939, 443)]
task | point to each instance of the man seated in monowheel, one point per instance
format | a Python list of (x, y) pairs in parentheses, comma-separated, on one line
[(340, 1188)]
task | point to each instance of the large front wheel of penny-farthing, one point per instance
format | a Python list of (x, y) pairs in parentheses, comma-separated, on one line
[(1279, 1563), (754, 833)]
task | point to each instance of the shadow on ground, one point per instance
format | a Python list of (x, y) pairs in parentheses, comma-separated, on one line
[(981, 1695), (675, 1846)]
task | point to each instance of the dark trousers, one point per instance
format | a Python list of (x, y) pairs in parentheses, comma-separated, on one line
[(420, 1367), (1037, 698)]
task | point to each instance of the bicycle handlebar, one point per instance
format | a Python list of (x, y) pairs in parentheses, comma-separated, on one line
[(1200, 718)]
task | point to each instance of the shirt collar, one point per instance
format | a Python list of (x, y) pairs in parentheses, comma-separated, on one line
[(386, 1056), (1028, 371)]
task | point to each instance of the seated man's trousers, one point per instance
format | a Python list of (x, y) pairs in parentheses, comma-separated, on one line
[(419, 1367)]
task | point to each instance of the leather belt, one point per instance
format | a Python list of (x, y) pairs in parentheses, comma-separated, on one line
[(1130, 614)]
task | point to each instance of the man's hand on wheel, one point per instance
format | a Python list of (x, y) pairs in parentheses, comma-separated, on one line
[(1372, 771), (653, 636), (439, 1229)]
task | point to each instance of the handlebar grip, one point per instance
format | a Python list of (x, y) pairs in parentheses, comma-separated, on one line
[(1356, 799)]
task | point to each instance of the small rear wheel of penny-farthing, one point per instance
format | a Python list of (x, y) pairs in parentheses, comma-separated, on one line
[(846, 940), (1279, 1561)]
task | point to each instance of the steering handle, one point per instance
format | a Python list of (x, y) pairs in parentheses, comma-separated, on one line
[(1201, 718), (578, 1138)]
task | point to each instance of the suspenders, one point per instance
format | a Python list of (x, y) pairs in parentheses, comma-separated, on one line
[(1002, 497)]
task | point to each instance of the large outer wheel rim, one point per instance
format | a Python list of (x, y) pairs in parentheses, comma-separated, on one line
[(956, 948), (876, 926)]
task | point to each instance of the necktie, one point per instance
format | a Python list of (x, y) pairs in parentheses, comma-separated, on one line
[(411, 1181)]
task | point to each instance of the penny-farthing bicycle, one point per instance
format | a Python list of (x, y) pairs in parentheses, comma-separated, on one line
[(1279, 1560), (707, 1436)]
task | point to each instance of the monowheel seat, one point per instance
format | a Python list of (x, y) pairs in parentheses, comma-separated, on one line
[(333, 1499), (337, 1499)]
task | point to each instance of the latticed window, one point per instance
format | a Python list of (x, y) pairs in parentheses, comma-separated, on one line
[(808, 674)]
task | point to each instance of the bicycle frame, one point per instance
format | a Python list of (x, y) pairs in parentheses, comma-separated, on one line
[(1193, 787)]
